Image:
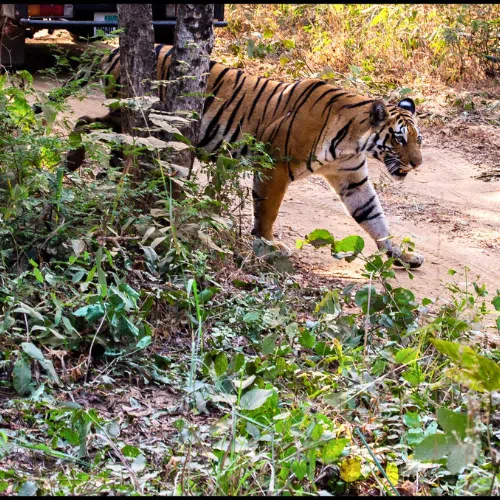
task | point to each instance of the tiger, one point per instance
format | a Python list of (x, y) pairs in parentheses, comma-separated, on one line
[(311, 128)]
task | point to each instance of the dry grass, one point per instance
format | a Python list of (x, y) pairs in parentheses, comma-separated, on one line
[(422, 46)]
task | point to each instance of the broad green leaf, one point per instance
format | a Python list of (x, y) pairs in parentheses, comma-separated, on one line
[(38, 275), (50, 370), (78, 276), (21, 377), (91, 313), (350, 469), (460, 354), (406, 355), (101, 279), (307, 339), (280, 366), (70, 435), (311, 472), (392, 473), (319, 238), (255, 398), (299, 468), (489, 373), (207, 294), (292, 330), (380, 17), (403, 297), (28, 489), (348, 248), (236, 362), (251, 317), (496, 303), (272, 318), (376, 302), (243, 384), (269, 343), (32, 351), (144, 342), (462, 455), (452, 422), (253, 430), (412, 419), (476, 371), (414, 375), (221, 363), (131, 451), (26, 309), (268, 33), (139, 463), (337, 399), (414, 436), (434, 447), (333, 449), (330, 303), (126, 326)]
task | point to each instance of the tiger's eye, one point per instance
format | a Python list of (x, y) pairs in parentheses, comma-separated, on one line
[(419, 139)]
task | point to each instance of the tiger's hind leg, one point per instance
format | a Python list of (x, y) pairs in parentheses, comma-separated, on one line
[(268, 193), (75, 157)]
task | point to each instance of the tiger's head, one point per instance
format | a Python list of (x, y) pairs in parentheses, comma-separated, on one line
[(396, 138)]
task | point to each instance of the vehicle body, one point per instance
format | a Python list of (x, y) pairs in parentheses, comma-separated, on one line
[(21, 21)]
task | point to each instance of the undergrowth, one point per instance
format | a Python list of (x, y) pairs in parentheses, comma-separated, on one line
[(145, 349), (393, 43)]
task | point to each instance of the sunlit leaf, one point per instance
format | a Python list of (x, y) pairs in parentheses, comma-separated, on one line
[(333, 449), (350, 469), (21, 377), (255, 398)]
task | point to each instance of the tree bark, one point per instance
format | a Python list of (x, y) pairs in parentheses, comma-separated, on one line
[(137, 61), (193, 44)]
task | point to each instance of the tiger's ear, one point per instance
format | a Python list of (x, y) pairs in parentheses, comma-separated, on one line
[(407, 104), (378, 113)]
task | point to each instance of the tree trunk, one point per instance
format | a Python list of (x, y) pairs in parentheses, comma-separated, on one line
[(137, 61), (193, 44)]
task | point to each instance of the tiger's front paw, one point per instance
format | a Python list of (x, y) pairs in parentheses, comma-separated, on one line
[(402, 258), (413, 259)]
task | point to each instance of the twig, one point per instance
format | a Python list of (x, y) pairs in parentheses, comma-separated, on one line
[(123, 460), (367, 318), (92, 345), (53, 233), (27, 328), (377, 463)]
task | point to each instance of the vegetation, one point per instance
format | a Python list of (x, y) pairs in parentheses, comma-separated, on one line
[(397, 44), (146, 349)]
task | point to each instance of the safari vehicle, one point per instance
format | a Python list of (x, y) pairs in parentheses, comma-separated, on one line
[(21, 21)]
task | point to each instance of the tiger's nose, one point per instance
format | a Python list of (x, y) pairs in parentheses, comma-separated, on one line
[(415, 163)]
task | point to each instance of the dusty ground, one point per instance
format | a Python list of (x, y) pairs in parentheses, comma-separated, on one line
[(453, 217)]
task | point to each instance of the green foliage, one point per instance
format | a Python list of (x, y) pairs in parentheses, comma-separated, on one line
[(145, 351), (460, 452), (474, 371)]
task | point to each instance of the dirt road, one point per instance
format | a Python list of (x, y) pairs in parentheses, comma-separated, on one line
[(453, 218)]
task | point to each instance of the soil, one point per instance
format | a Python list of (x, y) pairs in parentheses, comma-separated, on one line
[(451, 214)]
